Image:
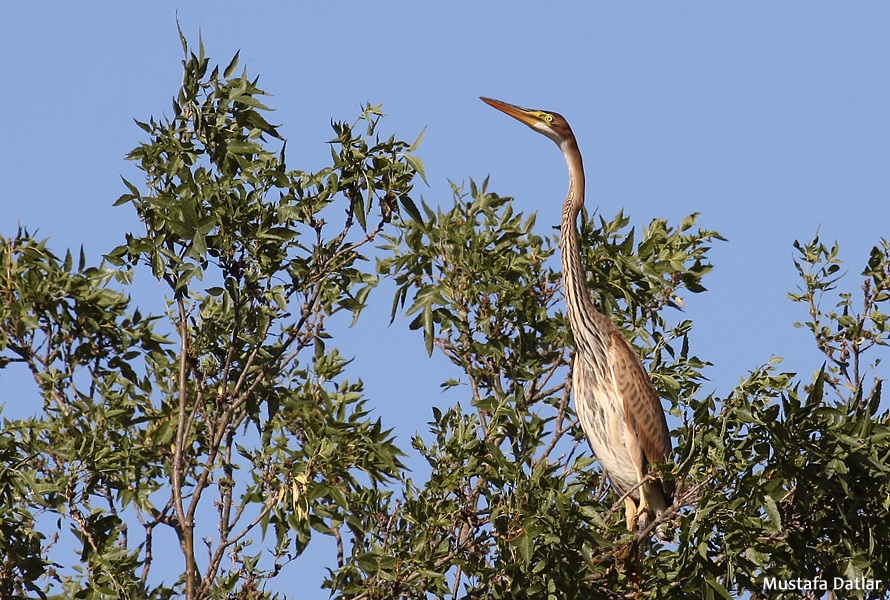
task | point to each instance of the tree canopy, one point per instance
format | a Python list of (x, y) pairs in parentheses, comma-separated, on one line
[(232, 424)]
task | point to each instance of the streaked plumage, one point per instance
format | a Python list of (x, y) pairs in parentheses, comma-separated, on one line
[(619, 411)]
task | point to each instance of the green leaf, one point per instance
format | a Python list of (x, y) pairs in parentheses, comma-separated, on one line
[(417, 164), (233, 64), (411, 208), (772, 511)]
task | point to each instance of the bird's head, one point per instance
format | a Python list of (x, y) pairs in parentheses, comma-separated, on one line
[(551, 124)]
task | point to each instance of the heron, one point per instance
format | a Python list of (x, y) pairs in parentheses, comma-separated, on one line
[(619, 411)]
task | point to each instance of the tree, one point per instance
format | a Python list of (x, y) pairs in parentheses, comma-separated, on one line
[(234, 404), (229, 404)]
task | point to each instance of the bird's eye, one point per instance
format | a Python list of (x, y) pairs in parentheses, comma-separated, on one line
[(548, 118)]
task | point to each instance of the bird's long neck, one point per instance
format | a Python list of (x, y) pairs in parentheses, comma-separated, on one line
[(588, 324)]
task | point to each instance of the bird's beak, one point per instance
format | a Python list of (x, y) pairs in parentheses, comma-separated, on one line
[(526, 115)]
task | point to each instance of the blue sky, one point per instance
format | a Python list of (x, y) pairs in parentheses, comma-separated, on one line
[(772, 119)]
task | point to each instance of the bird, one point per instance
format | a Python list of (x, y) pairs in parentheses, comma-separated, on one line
[(618, 409)]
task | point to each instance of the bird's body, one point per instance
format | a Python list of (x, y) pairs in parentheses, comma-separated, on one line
[(618, 409)]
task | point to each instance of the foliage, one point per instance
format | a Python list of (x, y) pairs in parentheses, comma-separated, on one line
[(778, 482), (230, 407), (794, 484), (227, 421), (509, 474)]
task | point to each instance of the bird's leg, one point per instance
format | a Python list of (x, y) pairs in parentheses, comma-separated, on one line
[(643, 513), (630, 512)]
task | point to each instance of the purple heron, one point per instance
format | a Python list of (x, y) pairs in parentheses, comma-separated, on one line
[(618, 409)]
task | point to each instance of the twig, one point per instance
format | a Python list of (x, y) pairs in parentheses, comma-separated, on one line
[(186, 528)]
